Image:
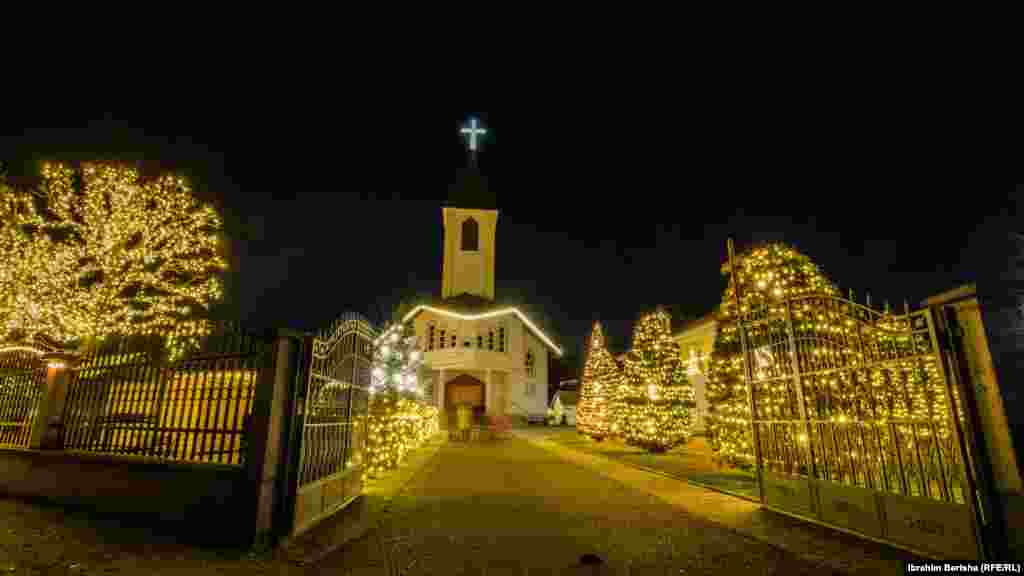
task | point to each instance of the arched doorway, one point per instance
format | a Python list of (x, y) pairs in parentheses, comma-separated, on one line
[(465, 389)]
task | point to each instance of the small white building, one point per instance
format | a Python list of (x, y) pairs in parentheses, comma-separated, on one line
[(563, 407), (478, 352)]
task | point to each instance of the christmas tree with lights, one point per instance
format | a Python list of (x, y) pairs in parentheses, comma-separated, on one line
[(397, 360), (397, 420), (601, 380), (765, 275), (655, 402)]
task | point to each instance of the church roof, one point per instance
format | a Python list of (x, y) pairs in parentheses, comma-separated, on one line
[(470, 190)]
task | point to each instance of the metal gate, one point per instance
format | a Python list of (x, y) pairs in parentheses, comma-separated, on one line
[(857, 422), (22, 380), (330, 424)]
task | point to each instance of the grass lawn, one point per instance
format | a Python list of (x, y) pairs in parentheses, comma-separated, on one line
[(691, 462)]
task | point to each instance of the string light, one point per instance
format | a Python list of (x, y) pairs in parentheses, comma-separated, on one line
[(98, 251)]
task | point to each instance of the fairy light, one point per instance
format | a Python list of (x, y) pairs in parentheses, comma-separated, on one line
[(395, 427), (98, 251), (493, 314)]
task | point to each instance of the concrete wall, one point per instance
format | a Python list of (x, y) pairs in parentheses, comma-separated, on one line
[(206, 504)]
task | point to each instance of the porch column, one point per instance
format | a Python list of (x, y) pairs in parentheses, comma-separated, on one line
[(46, 428), (490, 406), (439, 390)]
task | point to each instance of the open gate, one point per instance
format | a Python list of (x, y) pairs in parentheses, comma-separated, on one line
[(857, 422), (329, 428), (22, 381)]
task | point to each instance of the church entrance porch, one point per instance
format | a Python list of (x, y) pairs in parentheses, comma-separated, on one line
[(480, 396), (465, 390)]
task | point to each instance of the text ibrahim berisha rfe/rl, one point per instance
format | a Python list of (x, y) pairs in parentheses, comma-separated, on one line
[(965, 567)]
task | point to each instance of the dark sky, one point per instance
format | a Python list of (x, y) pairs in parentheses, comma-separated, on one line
[(603, 215)]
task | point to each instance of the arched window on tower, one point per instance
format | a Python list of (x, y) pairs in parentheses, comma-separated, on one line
[(470, 235)]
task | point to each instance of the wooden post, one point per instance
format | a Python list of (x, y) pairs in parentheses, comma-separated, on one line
[(267, 432), (49, 421)]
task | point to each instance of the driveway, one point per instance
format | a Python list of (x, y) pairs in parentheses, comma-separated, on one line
[(510, 507)]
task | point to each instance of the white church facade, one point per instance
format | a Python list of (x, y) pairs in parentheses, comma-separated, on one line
[(479, 353)]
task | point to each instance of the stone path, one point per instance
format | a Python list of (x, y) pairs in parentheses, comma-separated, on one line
[(512, 507)]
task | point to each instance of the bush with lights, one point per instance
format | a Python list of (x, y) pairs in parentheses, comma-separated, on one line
[(656, 395), (601, 379), (96, 250), (398, 419)]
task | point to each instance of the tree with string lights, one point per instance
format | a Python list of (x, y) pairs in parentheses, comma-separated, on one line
[(398, 420), (97, 250), (766, 274), (656, 399), (600, 382)]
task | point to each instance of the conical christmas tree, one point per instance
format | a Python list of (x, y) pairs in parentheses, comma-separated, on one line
[(657, 399), (600, 380), (396, 416), (766, 274)]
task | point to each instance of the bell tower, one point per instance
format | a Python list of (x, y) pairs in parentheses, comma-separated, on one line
[(468, 252)]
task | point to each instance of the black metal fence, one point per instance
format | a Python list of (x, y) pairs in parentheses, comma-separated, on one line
[(22, 380), (129, 398)]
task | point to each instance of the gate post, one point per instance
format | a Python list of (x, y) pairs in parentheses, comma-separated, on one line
[(47, 425), (266, 435)]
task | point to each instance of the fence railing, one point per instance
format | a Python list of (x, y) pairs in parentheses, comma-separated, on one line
[(127, 399), (336, 397), (22, 380), (849, 395)]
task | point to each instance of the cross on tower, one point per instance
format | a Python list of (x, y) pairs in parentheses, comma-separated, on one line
[(473, 131)]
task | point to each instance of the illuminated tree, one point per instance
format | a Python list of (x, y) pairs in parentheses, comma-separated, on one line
[(766, 274), (601, 378), (657, 396), (96, 250), (397, 361), (398, 420)]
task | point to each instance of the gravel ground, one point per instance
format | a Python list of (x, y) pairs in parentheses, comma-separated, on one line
[(527, 511), (41, 538)]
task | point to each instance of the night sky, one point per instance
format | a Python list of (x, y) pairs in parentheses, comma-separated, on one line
[(602, 216)]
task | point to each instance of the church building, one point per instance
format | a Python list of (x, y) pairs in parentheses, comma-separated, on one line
[(478, 352)]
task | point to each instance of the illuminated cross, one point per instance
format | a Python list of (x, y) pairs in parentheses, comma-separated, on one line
[(474, 130)]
